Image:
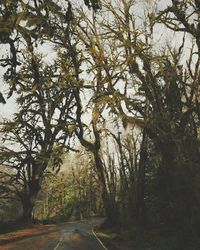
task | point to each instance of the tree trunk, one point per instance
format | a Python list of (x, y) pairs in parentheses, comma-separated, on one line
[(28, 200), (27, 206), (140, 203), (110, 210)]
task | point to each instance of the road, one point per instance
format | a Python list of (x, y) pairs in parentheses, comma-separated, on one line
[(66, 236)]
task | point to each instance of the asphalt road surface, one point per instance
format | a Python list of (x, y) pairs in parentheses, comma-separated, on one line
[(66, 236)]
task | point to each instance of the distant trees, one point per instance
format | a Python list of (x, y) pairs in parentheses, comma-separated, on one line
[(72, 194)]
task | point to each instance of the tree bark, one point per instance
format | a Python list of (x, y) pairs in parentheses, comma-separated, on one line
[(27, 205), (140, 203), (110, 209), (28, 200)]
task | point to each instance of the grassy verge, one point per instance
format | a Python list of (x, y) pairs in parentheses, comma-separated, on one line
[(154, 239), (113, 239)]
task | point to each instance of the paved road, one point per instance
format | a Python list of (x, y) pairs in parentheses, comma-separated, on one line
[(66, 236)]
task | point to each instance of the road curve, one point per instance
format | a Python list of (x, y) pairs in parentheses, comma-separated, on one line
[(65, 236)]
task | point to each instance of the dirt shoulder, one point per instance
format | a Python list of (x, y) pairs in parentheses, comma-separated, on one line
[(25, 233)]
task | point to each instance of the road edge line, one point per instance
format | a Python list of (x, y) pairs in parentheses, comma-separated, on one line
[(57, 246), (95, 235), (60, 240)]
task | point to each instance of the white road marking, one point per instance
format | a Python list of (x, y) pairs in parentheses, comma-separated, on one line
[(99, 240), (59, 242)]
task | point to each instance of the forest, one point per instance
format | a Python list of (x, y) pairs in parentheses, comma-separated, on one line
[(107, 121)]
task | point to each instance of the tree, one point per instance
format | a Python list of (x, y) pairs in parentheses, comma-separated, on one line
[(43, 103), (40, 130), (156, 90)]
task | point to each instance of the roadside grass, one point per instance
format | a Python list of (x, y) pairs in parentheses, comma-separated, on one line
[(155, 239), (22, 238), (113, 239), (6, 227), (25, 232)]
